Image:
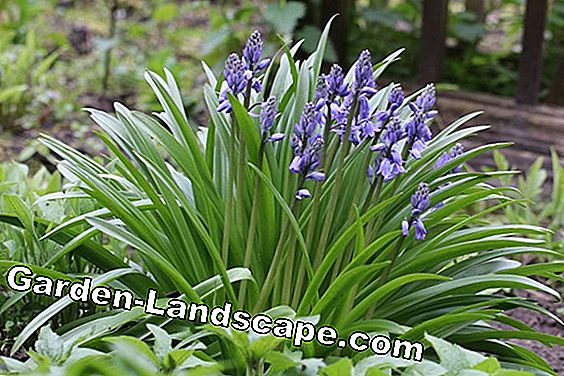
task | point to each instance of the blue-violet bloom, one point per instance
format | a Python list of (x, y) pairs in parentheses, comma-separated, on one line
[(336, 82), (420, 201), (307, 144), (267, 116), (302, 193), (252, 53), (418, 133), (395, 100), (389, 162), (364, 80), (237, 77), (454, 152)]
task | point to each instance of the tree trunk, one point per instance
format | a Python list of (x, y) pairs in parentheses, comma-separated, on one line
[(556, 93), (433, 38), (478, 7), (341, 24), (530, 62)]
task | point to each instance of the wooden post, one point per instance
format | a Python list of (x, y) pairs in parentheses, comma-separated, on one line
[(433, 38), (556, 93), (530, 62), (341, 25), (478, 7)]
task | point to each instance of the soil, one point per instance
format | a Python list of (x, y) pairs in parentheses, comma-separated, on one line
[(553, 355)]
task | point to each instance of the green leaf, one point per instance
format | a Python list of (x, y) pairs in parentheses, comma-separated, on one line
[(453, 357), (341, 367), (55, 308), (284, 16), (279, 362), (52, 346), (163, 342)]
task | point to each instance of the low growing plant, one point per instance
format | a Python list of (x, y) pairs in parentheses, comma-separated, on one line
[(315, 195), (544, 207), (21, 69)]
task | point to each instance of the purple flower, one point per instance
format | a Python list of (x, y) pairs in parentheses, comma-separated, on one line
[(389, 165), (454, 152), (364, 81), (252, 53), (364, 123), (426, 100), (340, 114), (316, 175), (237, 77), (389, 161), (405, 227), (320, 99), (420, 201), (277, 137), (321, 92), (395, 100), (392, 133), (302, 193), (418, 133), (267, 115), (336, 82), (307, 144), (236, 74), (362, 126), (420, 230), (307, 157)]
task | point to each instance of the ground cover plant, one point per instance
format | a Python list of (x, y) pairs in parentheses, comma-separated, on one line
[(542, 207), (314, 195)]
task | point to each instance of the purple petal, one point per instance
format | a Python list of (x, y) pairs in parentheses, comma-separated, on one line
[(263, 64), (368, 91), (277, 137), (316, 175), (405, 227), (420, 231), (224, 106), (378, 147), (296, 165), (302, 193)]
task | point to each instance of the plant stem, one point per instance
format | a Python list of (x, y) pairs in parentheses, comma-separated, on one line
[(252, 226), (336, 188), (318, 187), (344, 257), (386, 273), (289, 270), (241, 169), (275, 263), (373, 193), (316, 205), (229, 198), (388, 269)]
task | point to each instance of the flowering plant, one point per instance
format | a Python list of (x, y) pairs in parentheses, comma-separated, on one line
[(311, 194)]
